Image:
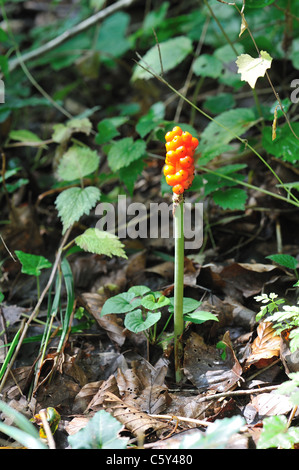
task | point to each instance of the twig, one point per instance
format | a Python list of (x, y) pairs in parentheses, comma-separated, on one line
[(236, 393), (36, 309), (47, 429), (199, 422), (14, 63)]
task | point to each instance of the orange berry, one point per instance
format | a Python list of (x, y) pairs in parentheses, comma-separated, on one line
[(186, 162), (171, 180), (170, 145), (177, 130), (187, 138), (168, 170), (181, 175), (194, 142), (171, 156), (177, 141), (181, 151), (178, 189), (169, 136)]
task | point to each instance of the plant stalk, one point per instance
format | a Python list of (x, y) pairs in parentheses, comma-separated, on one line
[(178, 214)]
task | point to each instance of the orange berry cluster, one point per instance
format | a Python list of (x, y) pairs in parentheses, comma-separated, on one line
[(179, 168)]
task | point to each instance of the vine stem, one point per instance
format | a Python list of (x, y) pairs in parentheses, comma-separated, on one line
[(178, 215)]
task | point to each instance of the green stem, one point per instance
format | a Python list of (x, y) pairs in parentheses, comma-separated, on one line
[(178, 215)]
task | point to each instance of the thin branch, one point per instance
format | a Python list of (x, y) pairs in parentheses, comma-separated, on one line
[(92, 20)]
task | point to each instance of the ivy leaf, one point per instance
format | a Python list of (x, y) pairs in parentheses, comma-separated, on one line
[(78, 162), (75, 202), (32, 264), (97, 241), (252, 68), (233, 198), (122, 153), (173, 52), (135, 322)]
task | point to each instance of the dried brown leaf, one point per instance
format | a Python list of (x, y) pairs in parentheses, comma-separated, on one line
[(205, 368), (265, 348)]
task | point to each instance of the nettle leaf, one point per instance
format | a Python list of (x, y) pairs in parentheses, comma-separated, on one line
[(233, 198), (135, 322), (75, 202), (97, 241), (129, 175), (173, 52), (62, 132), (215, 138), (107, 129), (78, 162), (207, 66), (101, 432), (287, 261), (285, 145), (32, 264), (122, 153), (252, 68), (151, 120), (120, 303)]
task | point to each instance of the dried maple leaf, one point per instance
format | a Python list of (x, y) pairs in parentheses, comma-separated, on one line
[(265, 348)]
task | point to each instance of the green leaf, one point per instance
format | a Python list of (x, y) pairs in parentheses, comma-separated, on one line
[(216, 436), (129, 174), (111, 38), (97, 241), (275, 433), (215, 138), (106, 131), (124, 152), (24, 135), (139, 291), (120, 303), (220, 103), (173, 52), (252, 68), (150, 303), (1, 297), (200, 316), (63, 132), (75, 202), (101, 432), (258, 3), (151, 120), (78, 162), (207, 66), (135, 322), (287, 261), (189, 305), (285, 145), (32, 264), (233, 198)]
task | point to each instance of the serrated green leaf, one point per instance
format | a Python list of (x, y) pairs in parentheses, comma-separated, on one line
[(173, 52), (107, 130), (285, 145), (287, 261), (97, 241), (32, 264), (135, 322), (75, 202), (120, 303), (129, 174), (207, 66), (124, 152), (232, 198), (78, 162), (101, 432), (252, 68), (215, 138)]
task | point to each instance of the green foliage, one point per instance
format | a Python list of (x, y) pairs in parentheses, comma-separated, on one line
[(78, 162), (285, 145), (101, 432), (276, 433), (75, 202), (32, 264), (287, 261), (142, 309), (100, 242)]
